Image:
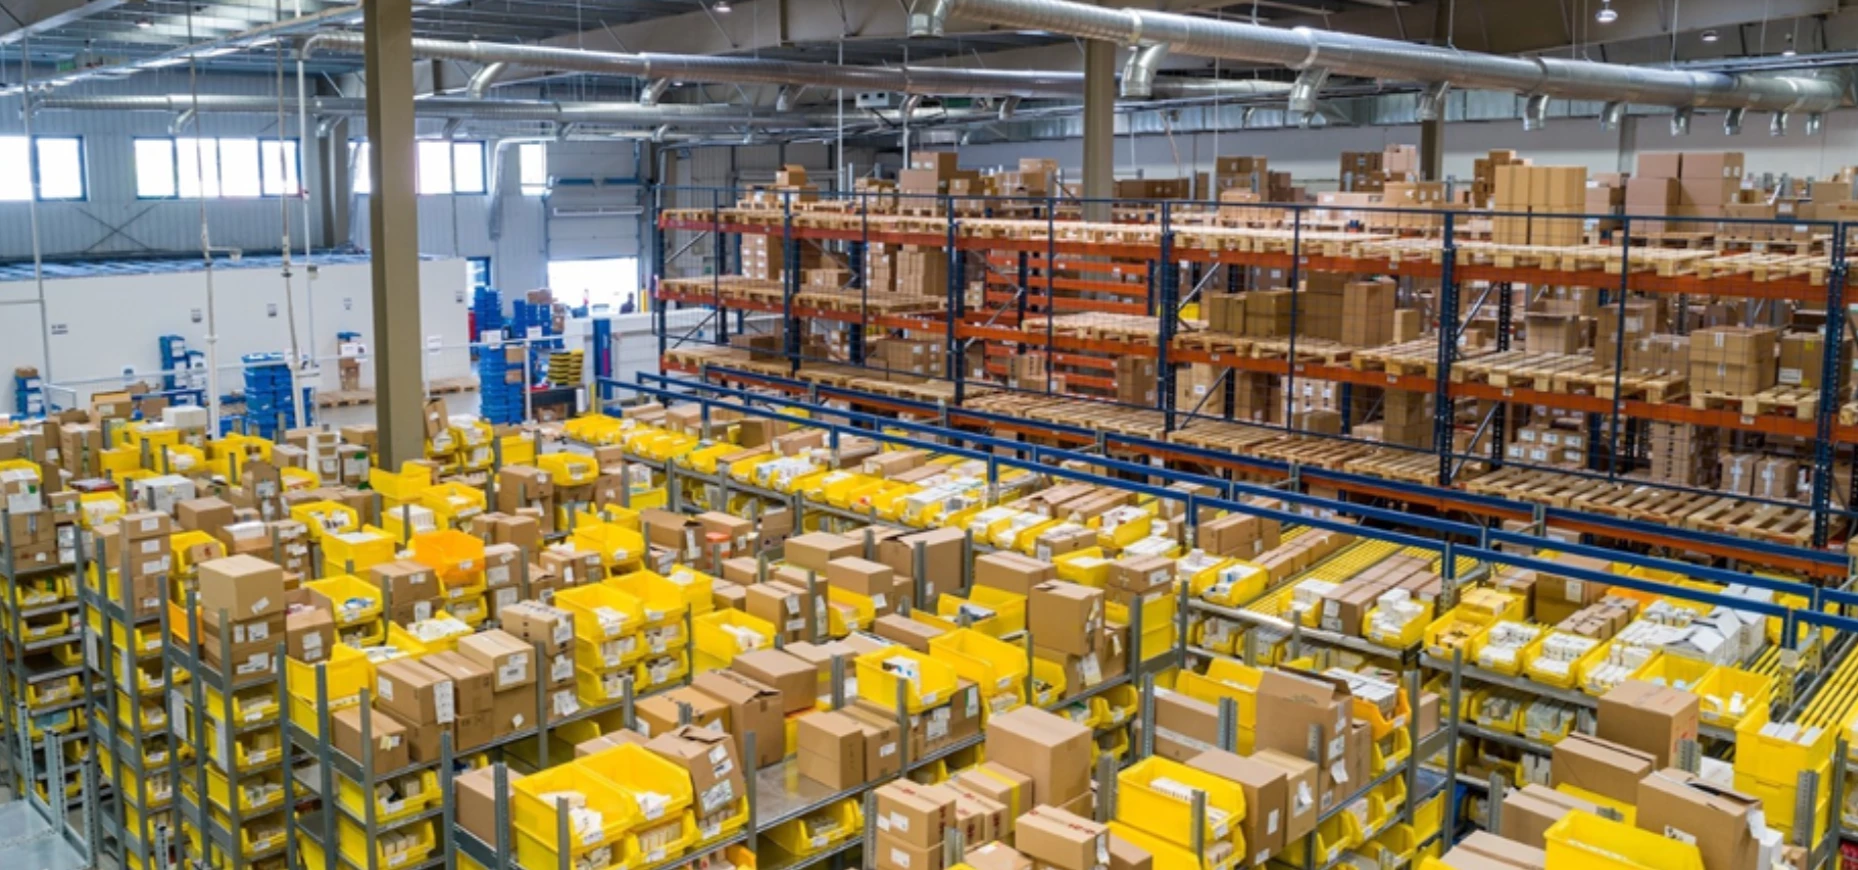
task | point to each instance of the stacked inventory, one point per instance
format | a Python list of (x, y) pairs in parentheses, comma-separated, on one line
[(565, 367), (229, 714), (125, 590), (535, 322), (28, 392), (41, 678), (268, 407), (502, 375), (486, 312)]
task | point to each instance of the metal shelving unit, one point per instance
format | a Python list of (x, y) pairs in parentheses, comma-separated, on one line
[(1182, 256), (138, 770)]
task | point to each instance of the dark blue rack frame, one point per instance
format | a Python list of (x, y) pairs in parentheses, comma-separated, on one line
[(1164, 271)]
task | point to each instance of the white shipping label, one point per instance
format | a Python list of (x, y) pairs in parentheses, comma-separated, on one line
[(444, 697), (385, 687)]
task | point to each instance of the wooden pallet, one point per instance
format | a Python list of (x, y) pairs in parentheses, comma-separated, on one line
[(1214, 342), (1402, 465), (1307, 350), (1763, 522), (446, 386), (1713, 400), (344, 398), (1409, 358), (1795, 402)]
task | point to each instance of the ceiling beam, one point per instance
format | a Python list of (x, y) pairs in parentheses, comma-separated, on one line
[(35, 16)]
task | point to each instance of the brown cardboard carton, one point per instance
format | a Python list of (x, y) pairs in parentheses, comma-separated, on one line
[(1678, 805), (1529, 813), (1012, 572), (385, 732), (1649, 717), (913, 813), (415, 692), (1065, 616), (1599, 766), (1289, 705), (662, 714), (476, 799), (894, 853), (873, 580), (1062, 840), (815, 550), (244, 586), (1125, 855), (831, 749), (906, 631), (1052, 750), (1266, 794), (883, 738), (511, 661), (715, 775), (942, 558), (310, 634), (997, 782), (1502, 852), (1659, 164), (1184, 727), (793, 678), (998, 856), (471, 681), (1300, 791), (754, 708)]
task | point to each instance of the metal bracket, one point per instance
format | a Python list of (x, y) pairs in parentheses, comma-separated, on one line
[(1303, 92), (1813, 122), (1611, 114), (1732, 121), (1432, 101), (1777, 124), (1535, 112), (1680, 121), (654, 91)]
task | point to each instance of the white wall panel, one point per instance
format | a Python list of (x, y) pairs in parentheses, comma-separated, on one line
[(107, 325)]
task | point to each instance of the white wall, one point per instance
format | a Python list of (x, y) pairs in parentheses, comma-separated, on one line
[(1311, 155), (111, 323)]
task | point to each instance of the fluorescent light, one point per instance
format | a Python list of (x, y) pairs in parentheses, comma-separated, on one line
[(1710, 36), (1606, 15), (722, 7)]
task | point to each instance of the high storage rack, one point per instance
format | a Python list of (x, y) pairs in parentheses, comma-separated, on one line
[(125, 650), (1811, 678), (1175, 252), (43, 680)]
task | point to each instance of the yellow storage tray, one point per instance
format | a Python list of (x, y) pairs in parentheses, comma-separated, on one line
[(608, 655), (534, 817), (618, 546), (352, 602), (1535, 668), (659, 671), (597, 689), (661, 602), (1168, 856), (995, 612), (817, 831), (1677, 672), (932, 683), (658, 787), (726, 633), (326, 518), (355, 552), (409, 794), (1153, 794), (601, 612), (346, 673), (997, 667), (453, 505), (569, 469), (258, 793), (1718, 690), (352, 839), (456, 557), (1587, 841)]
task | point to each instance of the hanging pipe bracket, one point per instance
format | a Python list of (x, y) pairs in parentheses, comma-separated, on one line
[(1680, 121), (654, 91), (1535, 113), (1732, 121), (1303, 92), (1432, 101), (1777, 124), (1813, 122), (1612, 114), (181, 121), (1007, 106), (931, 21), (1139, 72)]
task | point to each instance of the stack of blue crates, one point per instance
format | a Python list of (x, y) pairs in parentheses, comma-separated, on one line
[(500, 401), (267, 395), (28, 392), (529, 320), (486, 313)]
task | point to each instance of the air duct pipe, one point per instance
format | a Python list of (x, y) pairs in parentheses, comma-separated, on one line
[(1370, 57), (457, 109), (925, 80)]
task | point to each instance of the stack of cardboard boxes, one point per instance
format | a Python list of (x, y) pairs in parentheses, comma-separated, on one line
[(1484, 175), (1551, 197), (1738, 360)]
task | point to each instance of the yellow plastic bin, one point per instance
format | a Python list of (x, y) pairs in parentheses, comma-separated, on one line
[(929, 682), (997, 667), (601, 612), (1587, 841), (1154, 795), (534, 816), (1719, 689), (724, 634), (817, 831)]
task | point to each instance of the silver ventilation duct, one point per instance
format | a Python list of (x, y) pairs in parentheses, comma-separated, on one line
[(1370, 57), (498, 58)]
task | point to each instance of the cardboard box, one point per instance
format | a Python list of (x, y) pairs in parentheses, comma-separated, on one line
[(816, 550), (415, 692), (913, 813), (471, 682), (998, 856), (245, 587), (1065, 617), (906, 631), (1062, 840), (408, 587), (873, 580), (1599, 766), (1485, 846), (1649, 717), (511, 661), (942, 558), (386, 734), (536, 623), (883, 738), (1266, 799), (754, 708), (1052, 750), (831, 749), (894, 853), (716, 777), (1125, 855), (1184, 727), (1659, 164), (662, 714), (1721, 823), (1529, 813), (475, 797), (1300, 791), (1289, 705), (796, 680), (1011, 572), (309, 634)]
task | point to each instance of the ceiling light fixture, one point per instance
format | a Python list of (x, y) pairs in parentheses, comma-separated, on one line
[(1606, 15), (144, 23), (1788, 51), (722, 7), (1710, 36)]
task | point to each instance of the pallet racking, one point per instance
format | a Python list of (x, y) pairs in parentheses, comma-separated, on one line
[(1177, 256)]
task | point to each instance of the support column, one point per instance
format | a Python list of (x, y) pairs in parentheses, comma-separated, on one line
[(1099, 127), (393, 212), (334, 184)]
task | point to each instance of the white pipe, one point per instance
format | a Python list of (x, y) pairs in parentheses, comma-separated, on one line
[(283, 210), (32, 208), (206, 245), (303, 151)]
